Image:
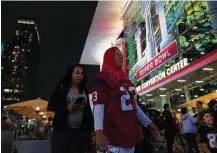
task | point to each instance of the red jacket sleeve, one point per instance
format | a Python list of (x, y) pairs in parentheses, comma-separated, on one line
[(99, 91)]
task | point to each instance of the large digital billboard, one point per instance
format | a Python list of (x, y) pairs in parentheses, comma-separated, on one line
[(156, 25)]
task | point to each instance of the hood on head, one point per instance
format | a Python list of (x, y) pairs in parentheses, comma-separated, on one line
[(184, 117), (109, 63)]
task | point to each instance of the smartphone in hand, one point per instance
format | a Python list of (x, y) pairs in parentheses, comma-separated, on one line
[(113, 149), (80, 101)]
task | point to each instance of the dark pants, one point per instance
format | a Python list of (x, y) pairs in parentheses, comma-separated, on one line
[(67, 141), (170, 140), (192, 143), (143, 147), (146, 144)]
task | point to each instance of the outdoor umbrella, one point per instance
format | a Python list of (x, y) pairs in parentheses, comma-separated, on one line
[(31, 108)]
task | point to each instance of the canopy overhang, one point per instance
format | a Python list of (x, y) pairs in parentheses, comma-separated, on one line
[(204, 99)]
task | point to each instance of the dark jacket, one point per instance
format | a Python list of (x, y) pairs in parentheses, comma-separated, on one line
[(58, 104), (169, 122)]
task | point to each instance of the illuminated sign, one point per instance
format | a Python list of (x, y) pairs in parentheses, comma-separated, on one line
[(165, 55), (176, 67)]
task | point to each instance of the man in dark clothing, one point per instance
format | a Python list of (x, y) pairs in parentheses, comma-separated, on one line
[(213, 109), (208, 133), (170, 129)]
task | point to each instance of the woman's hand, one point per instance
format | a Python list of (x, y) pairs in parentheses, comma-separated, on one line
[(93, 138), (101, 141)]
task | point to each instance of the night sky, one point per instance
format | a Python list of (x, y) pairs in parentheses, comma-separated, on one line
[(63, 29)]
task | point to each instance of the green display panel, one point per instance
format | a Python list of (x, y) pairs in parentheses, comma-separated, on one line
[(189, 22)]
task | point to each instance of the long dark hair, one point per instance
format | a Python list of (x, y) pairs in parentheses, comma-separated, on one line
[(67, 79)]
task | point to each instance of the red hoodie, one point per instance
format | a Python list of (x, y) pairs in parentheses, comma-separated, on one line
[(117, 92)]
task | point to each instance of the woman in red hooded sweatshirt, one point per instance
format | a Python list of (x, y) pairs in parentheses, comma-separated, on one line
[(116, 113)]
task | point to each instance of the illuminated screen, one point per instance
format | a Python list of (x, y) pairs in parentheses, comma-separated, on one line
[(190, 23), (194, 24)]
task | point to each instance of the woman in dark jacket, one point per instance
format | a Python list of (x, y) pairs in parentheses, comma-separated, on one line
[(73, 120)]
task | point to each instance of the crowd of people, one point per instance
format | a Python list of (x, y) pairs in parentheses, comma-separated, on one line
[(200, 128), (117, 124), (21, 126)]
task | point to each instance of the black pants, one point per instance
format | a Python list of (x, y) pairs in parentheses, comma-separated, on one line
[(192, 143), (67, 141), (170, 140), (143, 147)]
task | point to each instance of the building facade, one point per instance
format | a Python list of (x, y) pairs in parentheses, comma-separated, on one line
[(19, 59), (171, 49)]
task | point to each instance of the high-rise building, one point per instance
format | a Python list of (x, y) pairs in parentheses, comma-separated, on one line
[(19, 59)]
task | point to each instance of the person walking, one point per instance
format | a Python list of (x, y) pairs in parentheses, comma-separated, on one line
[(73, 119), (189, 127), (170, 127), (116, 113)]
